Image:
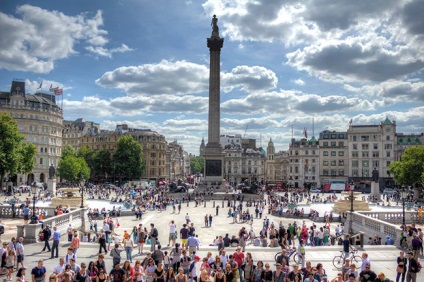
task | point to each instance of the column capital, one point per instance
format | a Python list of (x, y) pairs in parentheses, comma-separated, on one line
[(215, 43)]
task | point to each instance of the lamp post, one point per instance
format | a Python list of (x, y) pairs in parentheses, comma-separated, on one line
[(82, 192), (403, 194), (352, 187), (33, 216)]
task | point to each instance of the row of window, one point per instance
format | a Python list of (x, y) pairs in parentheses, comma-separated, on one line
[(355, 154), (296, 152), (45, 161), (334, 136), (365, 138), (333, 144), (43, 140), (333, 163), (333, 153), (333, 172), (33, 116)]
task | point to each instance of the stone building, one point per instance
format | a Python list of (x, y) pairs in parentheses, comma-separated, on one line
[(176, 161), (74, 130), (40, 120), (371, 146), (304, 163), (153, 143), (404, 141), (277, 165), (334, 156)]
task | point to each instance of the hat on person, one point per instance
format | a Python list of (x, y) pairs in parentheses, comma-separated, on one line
[(197, 257)]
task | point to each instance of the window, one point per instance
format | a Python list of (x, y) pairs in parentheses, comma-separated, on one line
[(341, 143), (325, 172), (355, 146), (375, 163), (333, 172), (341, 153), (341, 172), (355, 154), (326, 136), (341, 162), (375, 137), (333, 153), (325, 144), (313, 152), (296, 169), (333, 163), (365, 147), (333, 143), (354, 138), (153, 155), (365, 163), (365, 154), (333, 136), (388, 146), (375, 154), (355, 173), (325, 163), (152, 163), (325, 153), (306, 152), (388, 154), (313, 160), (365, 138), (375, 146), (388, 163), (41, 161), (388, 138)]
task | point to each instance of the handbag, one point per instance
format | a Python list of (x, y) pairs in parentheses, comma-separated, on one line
[(400, 268)]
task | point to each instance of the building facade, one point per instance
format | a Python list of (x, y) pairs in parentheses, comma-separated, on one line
[(40, 121), (304, 163), (333, 156), (404, 141), (176, 161), (371, 146), (74, 130), (153, 143), (277, 165)]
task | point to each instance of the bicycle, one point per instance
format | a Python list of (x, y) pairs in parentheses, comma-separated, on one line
[(289, 253), (338, 261)]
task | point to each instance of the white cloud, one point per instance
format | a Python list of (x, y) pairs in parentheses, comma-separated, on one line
[(299, 82), (183, 78), (40, 37)]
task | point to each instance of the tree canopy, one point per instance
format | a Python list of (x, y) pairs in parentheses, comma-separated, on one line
[(102, 163), (73, 168), (128, 158), (410, 170), (197, 164), (16, 156)]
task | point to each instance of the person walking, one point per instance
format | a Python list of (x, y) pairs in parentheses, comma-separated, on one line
[(153, 237), (116, 254), (56, 240), (301, 252), (402, 263), (46, 237), (102, 241), (20, 250), (128, 245), (412, 268)]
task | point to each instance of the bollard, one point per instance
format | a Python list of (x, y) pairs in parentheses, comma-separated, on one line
[(213, 203), (188, 203), (205, 204)]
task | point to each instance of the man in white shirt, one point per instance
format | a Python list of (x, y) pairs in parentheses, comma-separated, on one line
[(20, 252), (70, 255), (365, 261), (223, 257), (60, 268), (172, 234)]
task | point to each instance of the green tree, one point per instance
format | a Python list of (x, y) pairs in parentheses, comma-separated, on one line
[(73, 168), (410, 170), (27, 152), (128, 158), (197, 164), (10, 147), (88, 155), (102, 162), (68, 151)]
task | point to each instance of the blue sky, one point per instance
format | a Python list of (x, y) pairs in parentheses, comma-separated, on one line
[(145, 63)]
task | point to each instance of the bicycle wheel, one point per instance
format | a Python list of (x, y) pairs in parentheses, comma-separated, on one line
[(338, 262), (296, 258), (357, 260), (276, 256)]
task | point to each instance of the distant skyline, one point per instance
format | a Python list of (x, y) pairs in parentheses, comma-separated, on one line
[(146, 63)]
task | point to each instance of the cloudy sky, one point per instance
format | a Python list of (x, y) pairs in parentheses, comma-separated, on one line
[(284, 63)]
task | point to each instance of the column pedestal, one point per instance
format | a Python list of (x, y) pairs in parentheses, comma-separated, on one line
[(51, 186), (375, 191)]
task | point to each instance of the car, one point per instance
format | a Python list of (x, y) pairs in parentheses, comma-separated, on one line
[(389, 191), (315, 190)]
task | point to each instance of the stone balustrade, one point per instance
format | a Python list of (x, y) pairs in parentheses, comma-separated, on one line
[(6, 211), (394, 217), (77, 218)]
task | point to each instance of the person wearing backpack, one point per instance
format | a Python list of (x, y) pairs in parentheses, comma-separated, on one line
[(413, 268), (153, 237)]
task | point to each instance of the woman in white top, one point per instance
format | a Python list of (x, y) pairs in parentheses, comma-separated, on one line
[(129, 245), (150, 270)]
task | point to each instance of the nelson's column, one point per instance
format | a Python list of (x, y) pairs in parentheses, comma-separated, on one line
[(213, 154)]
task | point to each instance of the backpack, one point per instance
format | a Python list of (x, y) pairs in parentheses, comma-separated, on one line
[(418, 266), (154, 233)]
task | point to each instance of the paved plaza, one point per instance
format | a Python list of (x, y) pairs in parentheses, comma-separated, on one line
[(383, 258)]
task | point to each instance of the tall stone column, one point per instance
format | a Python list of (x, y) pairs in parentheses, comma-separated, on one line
[(213, 154)]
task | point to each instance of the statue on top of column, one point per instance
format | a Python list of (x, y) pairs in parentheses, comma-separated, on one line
[(214, 23), (375, 175)]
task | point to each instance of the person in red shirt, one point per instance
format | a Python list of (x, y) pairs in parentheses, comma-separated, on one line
[(239, 258)]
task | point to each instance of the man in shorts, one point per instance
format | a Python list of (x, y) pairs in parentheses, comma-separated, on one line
[(184, 236), (172, 234), (20, 252)]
